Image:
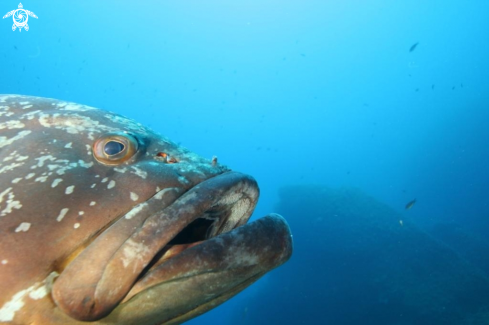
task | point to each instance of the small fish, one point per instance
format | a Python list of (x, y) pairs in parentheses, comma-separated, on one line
[(401, 222), (410, 204), (413, 47)]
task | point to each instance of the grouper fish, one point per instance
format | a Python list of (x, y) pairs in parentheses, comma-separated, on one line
[(104, 221)]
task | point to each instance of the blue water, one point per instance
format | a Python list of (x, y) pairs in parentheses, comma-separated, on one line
[(291, 92)]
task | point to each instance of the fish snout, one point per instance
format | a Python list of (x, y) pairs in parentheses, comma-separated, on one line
[(100, 277)]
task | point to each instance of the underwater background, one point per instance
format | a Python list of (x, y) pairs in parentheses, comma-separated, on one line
[(344, 112)]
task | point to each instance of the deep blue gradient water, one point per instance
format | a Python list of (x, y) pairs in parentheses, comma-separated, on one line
[(291, 92)]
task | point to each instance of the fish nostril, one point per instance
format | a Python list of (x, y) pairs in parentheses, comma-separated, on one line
[(163, 156)]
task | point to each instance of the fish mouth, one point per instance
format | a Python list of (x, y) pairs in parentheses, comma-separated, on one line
[(206, 275), (177, 262)]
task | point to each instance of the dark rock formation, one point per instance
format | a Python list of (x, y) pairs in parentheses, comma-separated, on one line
[(466, 243)]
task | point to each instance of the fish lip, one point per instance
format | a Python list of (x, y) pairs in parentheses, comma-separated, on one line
[(221, 222), (219, 268), (97, 280)]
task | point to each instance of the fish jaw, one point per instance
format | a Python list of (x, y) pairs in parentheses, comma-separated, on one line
[(206, 275), (96, 281)]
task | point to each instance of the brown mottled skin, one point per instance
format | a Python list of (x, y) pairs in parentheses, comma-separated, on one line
[(83, 241)]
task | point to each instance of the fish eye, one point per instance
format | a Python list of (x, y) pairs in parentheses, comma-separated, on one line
[(114, 148)]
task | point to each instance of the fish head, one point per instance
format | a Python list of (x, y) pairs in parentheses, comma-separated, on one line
[(103, 220)]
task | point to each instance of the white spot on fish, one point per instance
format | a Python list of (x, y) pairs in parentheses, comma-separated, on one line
[(134, 196), (73, 125), (38, 291), (76, 225), (69, 189), (56, 182), (133, 251), (139, 172), (11, 204), (30, 175), (12, 124), (41, 179), (24, 226), (93, 185), (183, 180), (76, 107), (111, 184), (16, 180), (135, 210), (30, 115), (92, 203), (42, 159), (105, 179), (8, 310), (62, 214), (3, 194), (10, 167), (160, 194), (85, 164), (4, 262), (80, 213), (68, 145), (64, 165), (120, 170)]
